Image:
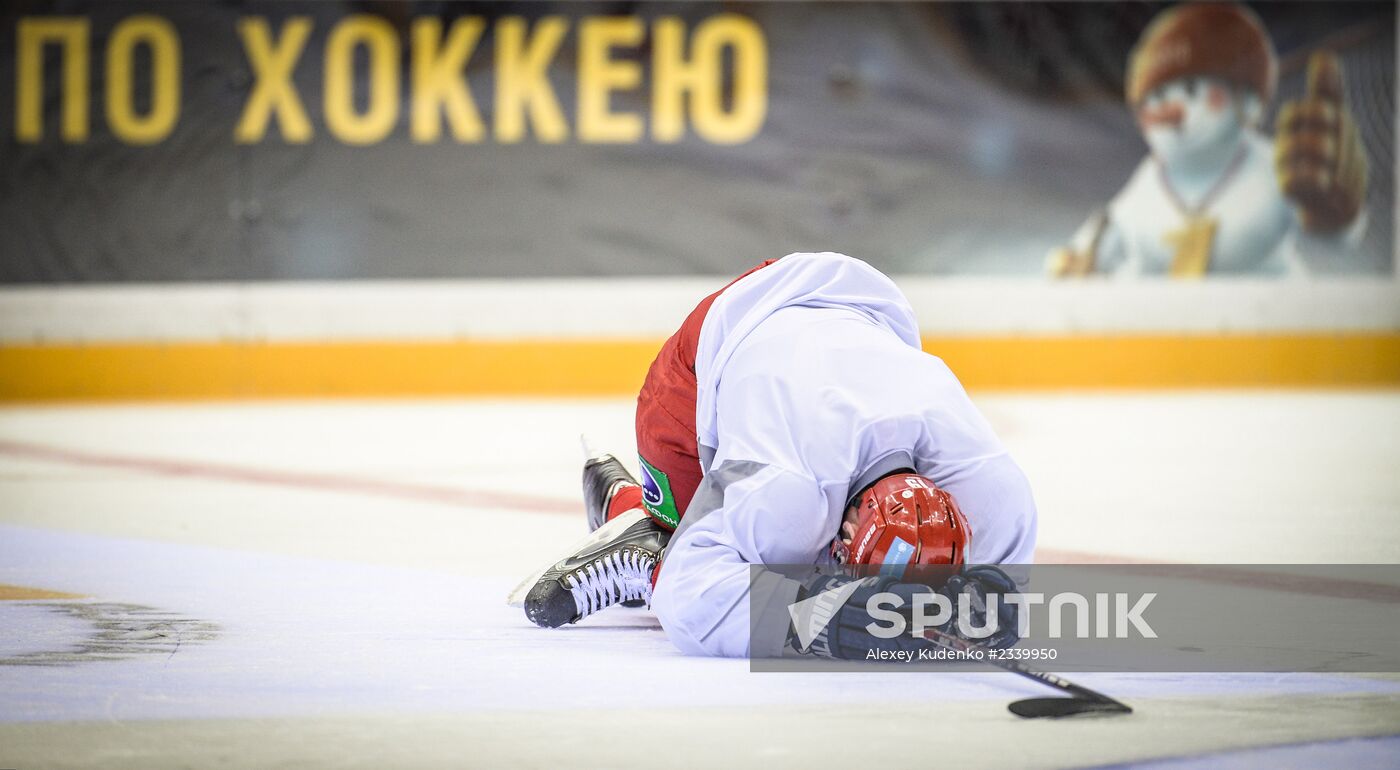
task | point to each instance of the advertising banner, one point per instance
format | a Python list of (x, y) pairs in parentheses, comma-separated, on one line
[(248, 141)]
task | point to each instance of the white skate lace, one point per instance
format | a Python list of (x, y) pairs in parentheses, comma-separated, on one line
[(622, 575)]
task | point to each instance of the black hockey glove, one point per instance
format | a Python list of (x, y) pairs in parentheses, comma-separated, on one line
[(834, 624), (839, 622), (979, 582)]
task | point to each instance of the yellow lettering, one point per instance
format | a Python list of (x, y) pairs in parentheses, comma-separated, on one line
[(159, 35), (273, 92), (34, 33), (599, 75), (749, 106), (701, 78), (438, 82), (672, 78), (382, 43), (522, 85)]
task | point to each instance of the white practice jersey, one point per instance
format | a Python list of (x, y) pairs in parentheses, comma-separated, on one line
[(812, 384)]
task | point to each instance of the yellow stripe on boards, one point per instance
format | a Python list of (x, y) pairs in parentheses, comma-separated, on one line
[(237, 370), (274, 370), (1152, 362)]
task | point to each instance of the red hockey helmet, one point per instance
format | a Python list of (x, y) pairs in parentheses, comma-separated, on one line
[(907, 527)]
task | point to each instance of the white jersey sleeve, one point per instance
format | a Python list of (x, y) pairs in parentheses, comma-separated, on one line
[(744, 514)]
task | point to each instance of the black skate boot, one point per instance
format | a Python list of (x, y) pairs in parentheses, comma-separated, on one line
[(612, 567), (603, 475)]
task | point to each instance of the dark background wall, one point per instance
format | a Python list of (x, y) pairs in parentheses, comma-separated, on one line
[(927, 138)]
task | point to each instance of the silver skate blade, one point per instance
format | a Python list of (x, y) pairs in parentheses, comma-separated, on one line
[(599, 535), (590, 452), (517, 595)]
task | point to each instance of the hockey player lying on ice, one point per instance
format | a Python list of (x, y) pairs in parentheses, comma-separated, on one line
[(793, 419)]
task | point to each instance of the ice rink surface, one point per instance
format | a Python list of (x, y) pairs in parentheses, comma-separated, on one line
[(322, 584)]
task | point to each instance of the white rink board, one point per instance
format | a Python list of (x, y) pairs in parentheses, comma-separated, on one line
[(654, 308)]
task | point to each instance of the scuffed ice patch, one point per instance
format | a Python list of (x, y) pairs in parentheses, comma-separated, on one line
[(74, 632)]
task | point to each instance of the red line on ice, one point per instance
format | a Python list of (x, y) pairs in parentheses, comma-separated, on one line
[(1234, 575), (293, 479)]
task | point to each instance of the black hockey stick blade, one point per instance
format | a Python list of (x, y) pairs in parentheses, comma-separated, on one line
[(1056, 708), (1085, 701)]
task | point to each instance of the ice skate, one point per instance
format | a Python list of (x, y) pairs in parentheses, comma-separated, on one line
[(604, 479), (614, 565), (607, 486)]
